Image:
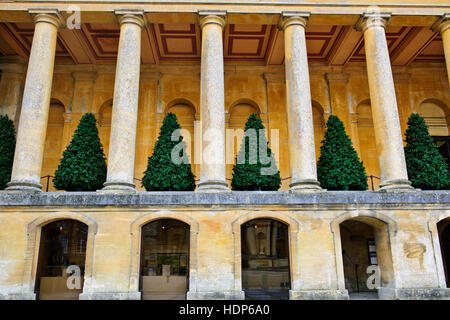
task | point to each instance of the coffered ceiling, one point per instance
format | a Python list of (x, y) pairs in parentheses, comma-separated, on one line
[(259, 44)]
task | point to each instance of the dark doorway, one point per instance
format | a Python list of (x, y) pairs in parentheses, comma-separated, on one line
[(265, 260), (367, 257), (165, 260), (62, 250), (444, 239)]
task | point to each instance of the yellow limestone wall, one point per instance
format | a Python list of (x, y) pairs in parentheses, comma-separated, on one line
[(112, 256), (343, 92)]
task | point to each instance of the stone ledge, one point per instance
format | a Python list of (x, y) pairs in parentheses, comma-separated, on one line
[(215, 295), (239, 198), (318, 295), (17, 296), (110, 296), (414, 294)]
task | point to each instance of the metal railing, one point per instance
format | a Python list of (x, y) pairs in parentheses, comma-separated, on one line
[(48, 177), (371, 177), (48, 181)]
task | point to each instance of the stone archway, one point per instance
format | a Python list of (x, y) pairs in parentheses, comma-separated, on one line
[(265, 259), (443, 228), (365, 255), (61, 261), (164, 265)]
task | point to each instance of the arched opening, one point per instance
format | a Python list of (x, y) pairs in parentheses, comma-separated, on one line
[(436, 114), (265, 260), (367, 143), (104, 125), (165, 260), (319, 126), (366, 253), (62, 254), (185, 113), (53, 142), (444, 240), (239, 114)]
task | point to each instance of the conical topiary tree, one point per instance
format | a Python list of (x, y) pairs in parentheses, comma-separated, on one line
[(427, 168), (251, 171), (168, 167), (7, 148), (339, 167), (83, 165)]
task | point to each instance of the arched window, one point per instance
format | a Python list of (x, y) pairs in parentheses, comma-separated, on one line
[(104, 125), (53, 141), (319, 126), (239, 113), (436, 114)]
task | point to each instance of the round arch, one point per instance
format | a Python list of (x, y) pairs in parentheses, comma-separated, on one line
[(177, 101), (135, 233), (293, 230), (385, 228), (34, 229), (433, 222)]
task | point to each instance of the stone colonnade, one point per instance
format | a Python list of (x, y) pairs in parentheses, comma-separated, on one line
[(36, 98)]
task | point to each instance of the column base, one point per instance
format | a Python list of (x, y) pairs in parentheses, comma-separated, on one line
[(212, 186), (306, 186), (118, 187), (396, 185), (216, 295), (17, 296), (23, 186), (318, 295), (414, 294), (110, 296)]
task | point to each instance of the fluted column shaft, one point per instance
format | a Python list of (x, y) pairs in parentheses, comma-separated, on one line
[(35, 104), (122, 144), (388, 135), (298, 107), (212, 169)]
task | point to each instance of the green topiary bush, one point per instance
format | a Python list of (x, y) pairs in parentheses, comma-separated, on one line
[(83, 165), (7, 148), (339, 167), (427, 168), (255, 175), (162, 173)]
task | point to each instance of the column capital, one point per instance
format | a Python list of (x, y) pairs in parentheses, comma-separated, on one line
[(288, 19), (131, 16), (68, 116), (442, 24), (372, 19), (215, 17), (52, 16)]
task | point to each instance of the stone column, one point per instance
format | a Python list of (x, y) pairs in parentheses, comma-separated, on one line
[(212, 168), (388, 135), (125, 105), (298, 103), (35, 103), (443, 26)]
